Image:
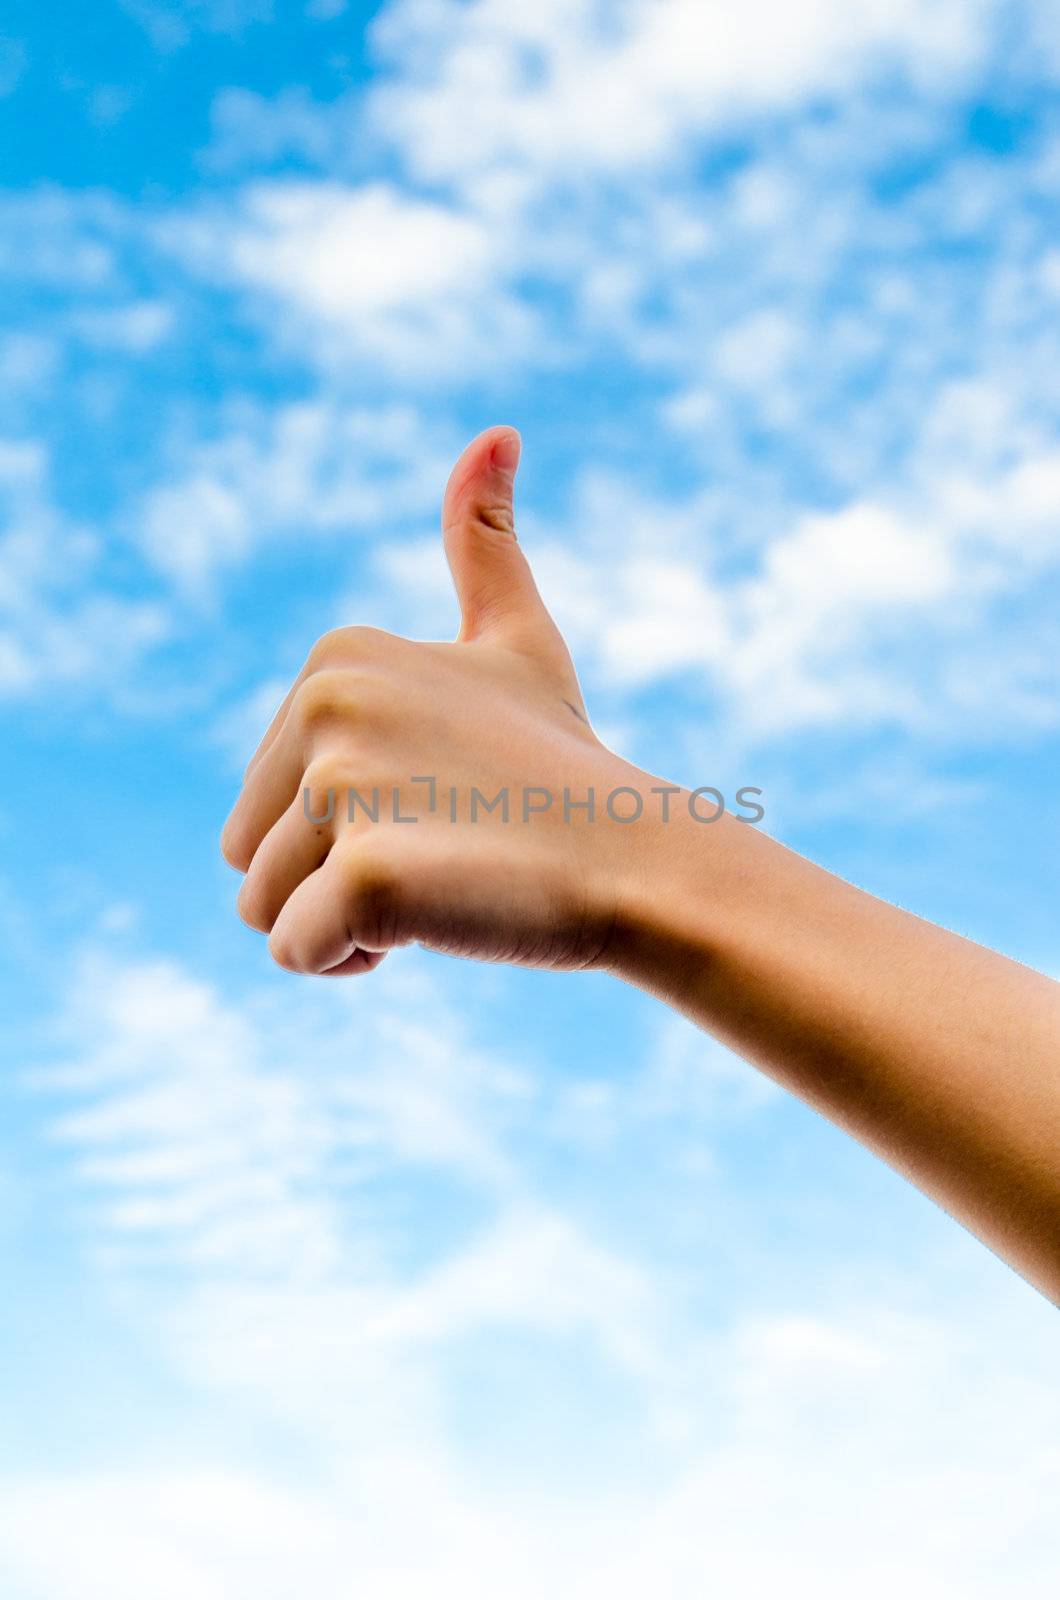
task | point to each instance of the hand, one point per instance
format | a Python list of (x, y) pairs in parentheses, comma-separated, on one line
[(498, 709)]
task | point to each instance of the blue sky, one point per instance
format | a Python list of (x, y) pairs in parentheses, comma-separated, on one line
[(454, 1279)]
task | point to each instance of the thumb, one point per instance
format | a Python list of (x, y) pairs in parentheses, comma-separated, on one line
[(494, 584)]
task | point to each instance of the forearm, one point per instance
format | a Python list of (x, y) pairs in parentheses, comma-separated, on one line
[(938, 1054)]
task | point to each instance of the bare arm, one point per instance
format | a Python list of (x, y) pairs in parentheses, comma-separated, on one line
[(455, 795), (940, 1055)]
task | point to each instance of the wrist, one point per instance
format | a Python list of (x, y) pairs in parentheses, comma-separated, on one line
[(677, 896)]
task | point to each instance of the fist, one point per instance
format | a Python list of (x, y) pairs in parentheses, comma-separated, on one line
[(439, 792)]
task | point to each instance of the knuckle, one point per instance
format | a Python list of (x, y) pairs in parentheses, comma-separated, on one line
[(328, 648), (235, 846), (253, 909), (346, 644), (282, 951), (364, 640), (324, 696), (361, 703), (328, 771)]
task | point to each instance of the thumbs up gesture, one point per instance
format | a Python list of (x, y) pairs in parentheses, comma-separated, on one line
[(439, 792)]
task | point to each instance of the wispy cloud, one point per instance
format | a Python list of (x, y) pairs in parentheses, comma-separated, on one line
[(320, 466), (58, 624), (225, 1136), (249, 1145)]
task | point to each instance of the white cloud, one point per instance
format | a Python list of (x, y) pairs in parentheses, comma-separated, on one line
[(690, 1075), (59, 624), (811, 626), (55, 236), (199, 1151), (315, 466), (240, 727), (250, 1147), (562, 88), (410, 282), (171, 23), (28, 362), (249, 129), (134, 328), (358, 253), (220, 1136), (945, 1484), (534, 1270)]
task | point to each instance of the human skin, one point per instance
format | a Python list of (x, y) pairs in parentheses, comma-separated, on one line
[(940, 1055)]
